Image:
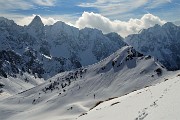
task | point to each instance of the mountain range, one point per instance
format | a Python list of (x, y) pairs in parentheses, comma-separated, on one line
[(59, 72), (44, 51)]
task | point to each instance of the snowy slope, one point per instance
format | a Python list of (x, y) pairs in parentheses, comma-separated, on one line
[(13, 85), (48, 50), (162, 42), (158, 102), (70, 94)]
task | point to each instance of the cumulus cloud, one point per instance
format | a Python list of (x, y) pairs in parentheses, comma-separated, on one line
[(26, 20), (123, 28)]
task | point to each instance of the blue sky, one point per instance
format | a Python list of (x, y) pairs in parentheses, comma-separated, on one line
[(70, 11), (113, 9)]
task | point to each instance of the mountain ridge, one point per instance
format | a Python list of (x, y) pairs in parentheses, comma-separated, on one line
[(69, 94), (60, 46), (162, 42)]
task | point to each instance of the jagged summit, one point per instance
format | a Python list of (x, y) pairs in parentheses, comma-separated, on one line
[(36, 28), (157, 26), (36, 22), (3, 18), (60, 23), (169, 25), (5, 22)]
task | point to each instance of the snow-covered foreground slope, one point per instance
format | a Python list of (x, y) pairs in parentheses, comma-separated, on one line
[(70, 94), (158, 102), (10, 86)]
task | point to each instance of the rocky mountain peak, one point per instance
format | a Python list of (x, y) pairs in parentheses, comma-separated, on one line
[(4, 22), (36, 22)]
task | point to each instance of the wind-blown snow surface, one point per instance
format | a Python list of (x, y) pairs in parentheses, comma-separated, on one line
[(67, 95), (158, 102)]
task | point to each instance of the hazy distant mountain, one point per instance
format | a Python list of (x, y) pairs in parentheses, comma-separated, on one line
[(47, 50), (162, 42)]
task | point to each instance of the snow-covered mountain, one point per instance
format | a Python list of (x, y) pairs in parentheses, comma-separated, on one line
[(104, 85), (71, 94), (162, 42), (45, 51)]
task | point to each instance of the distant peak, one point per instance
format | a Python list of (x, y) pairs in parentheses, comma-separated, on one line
[(3, 18), (157, 25), (169, 24), (59, 22), (36, 21), (6, 21), (37, 18)]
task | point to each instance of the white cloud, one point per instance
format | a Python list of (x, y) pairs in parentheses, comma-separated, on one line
[(123, 28)]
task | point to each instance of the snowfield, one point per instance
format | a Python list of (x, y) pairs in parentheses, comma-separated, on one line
[(11, 85), (71, 94), (158, 102)]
